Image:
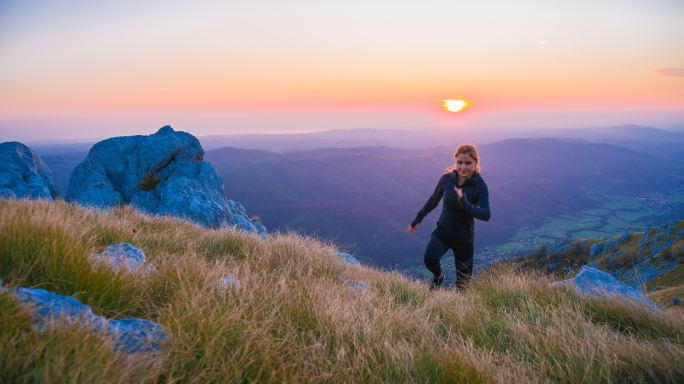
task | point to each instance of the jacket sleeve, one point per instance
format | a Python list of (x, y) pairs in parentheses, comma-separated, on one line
[(481, 209), (432, 202)]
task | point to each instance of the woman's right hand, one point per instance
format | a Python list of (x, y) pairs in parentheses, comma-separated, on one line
[(411, 229)]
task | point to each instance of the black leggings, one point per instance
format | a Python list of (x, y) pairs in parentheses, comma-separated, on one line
[(438, 245)]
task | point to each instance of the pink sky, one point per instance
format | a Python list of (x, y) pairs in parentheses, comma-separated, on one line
[(78, 69)]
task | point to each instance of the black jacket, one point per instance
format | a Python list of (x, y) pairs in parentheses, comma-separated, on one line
[(457, 218)]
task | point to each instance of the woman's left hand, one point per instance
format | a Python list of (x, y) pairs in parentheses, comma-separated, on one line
[(459, 192)]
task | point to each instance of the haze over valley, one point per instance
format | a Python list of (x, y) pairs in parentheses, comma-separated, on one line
[(361, 197)]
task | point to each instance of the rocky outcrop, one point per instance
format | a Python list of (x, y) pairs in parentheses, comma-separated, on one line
[(161, 174), (23, 174)]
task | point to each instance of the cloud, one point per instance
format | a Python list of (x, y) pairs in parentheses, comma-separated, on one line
[(674, 72)]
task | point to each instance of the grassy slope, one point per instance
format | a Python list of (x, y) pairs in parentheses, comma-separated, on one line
[(295, 317)]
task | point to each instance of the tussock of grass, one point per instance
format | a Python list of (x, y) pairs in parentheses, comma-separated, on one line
[(665, 297), (672, 278), (296, 318), (635, 320)]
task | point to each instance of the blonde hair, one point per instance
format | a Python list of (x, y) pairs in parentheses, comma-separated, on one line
[(468, 149)]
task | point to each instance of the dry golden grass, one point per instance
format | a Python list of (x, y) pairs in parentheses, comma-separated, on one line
[(296, 318)]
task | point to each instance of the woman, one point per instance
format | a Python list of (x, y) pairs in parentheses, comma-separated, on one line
[(466, 197)]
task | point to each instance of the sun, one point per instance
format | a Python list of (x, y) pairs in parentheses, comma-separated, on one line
[(455, 105)]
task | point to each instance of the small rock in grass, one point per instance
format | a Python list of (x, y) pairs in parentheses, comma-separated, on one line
[(229, 281), (130, 335), (348, 258), (124, 255)]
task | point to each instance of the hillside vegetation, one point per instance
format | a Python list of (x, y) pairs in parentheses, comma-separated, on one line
[(296, 316), (651, 260)]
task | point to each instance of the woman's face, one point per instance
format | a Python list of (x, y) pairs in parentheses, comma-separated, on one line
[(465, 165)]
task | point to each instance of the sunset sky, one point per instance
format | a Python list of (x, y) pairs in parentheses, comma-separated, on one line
[(94, 69)]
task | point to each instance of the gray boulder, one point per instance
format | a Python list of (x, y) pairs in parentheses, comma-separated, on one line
[(123, 256), (162, 174), (23, 174), (594, 282)]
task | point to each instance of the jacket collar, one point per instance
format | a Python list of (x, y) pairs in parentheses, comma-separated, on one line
[(474, 178)]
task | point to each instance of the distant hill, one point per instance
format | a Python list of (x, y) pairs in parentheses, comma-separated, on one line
[(341, 138), (62, 148), (61, 165), (626, 132), (629, 135), (363, 197), (667, 145)]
